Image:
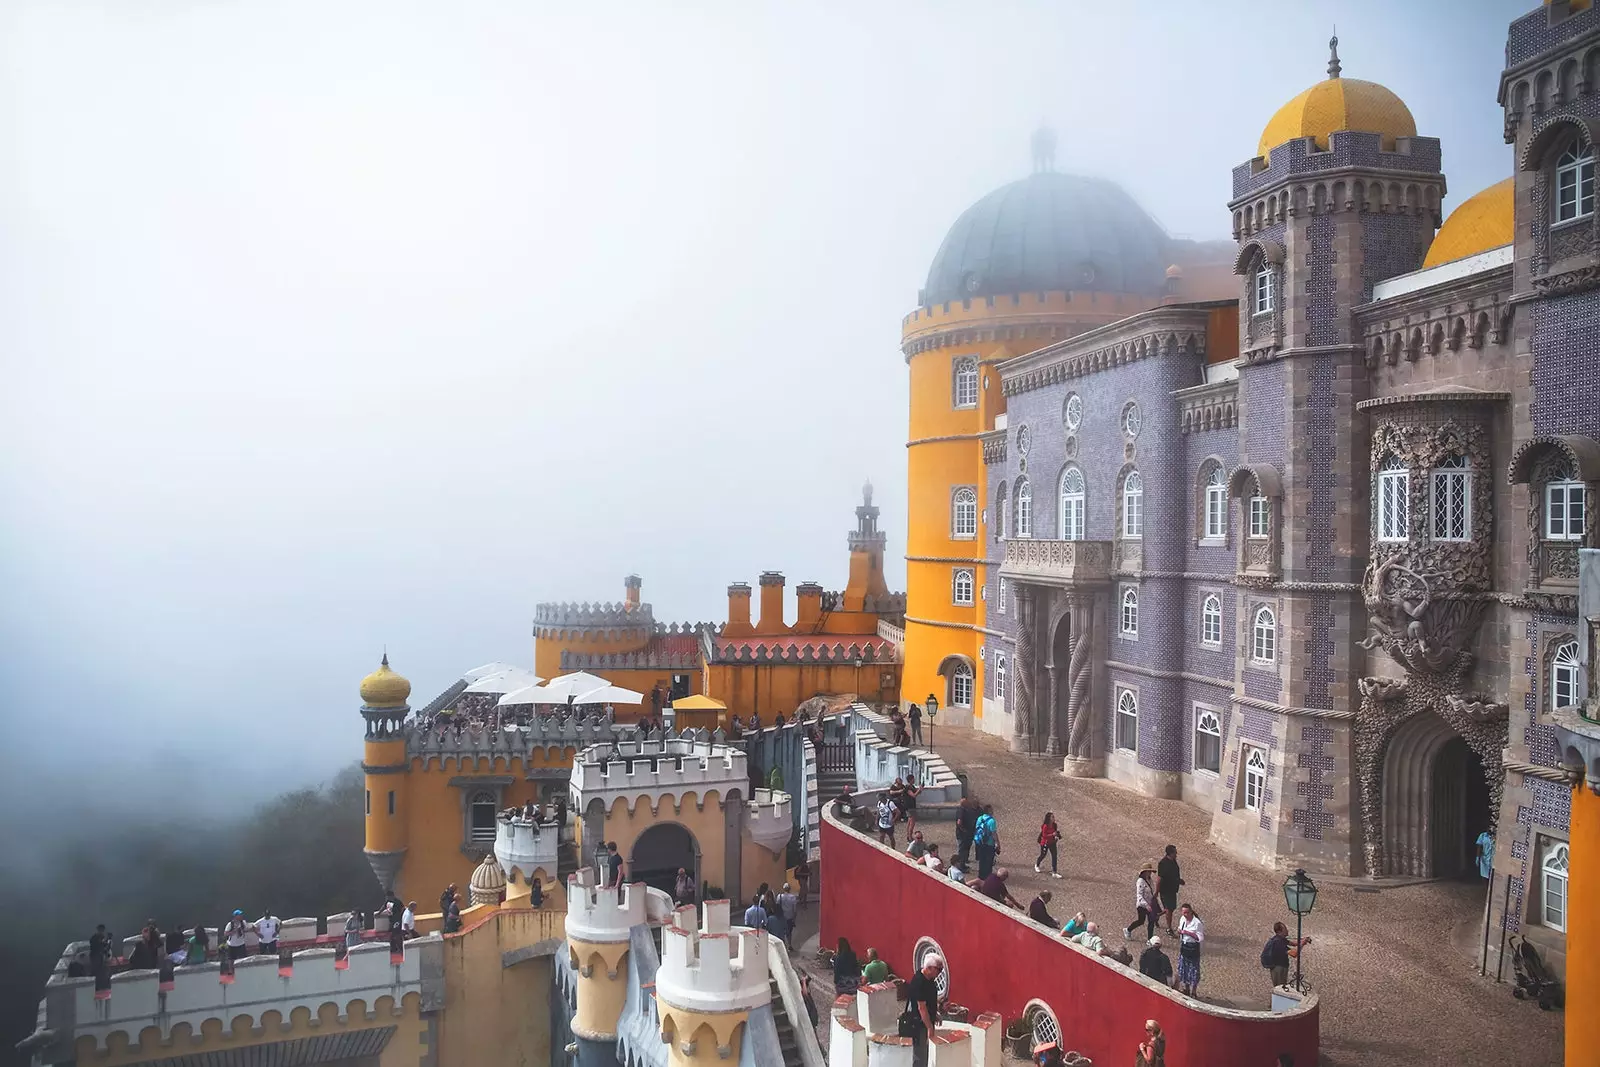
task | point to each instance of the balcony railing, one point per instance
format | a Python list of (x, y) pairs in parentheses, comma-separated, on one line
[(1057, 562)]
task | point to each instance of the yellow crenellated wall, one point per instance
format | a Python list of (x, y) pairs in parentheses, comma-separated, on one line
[(602, 986), (1583, 929), (773, 688), (547, 650)]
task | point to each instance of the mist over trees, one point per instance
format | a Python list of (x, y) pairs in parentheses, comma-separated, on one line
[(297, 854)]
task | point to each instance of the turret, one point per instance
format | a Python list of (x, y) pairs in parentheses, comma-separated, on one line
[(866, 556), (712, 976), (599, 922), (383, 705), (771, 622)]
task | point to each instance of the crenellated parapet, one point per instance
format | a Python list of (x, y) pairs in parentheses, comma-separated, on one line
[(769, 818), (527, 846), (712, 966), (755, 651), (558, 622), (630, 661), (655, 771)]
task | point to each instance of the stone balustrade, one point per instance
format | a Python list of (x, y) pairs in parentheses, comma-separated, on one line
[(1060, 563)]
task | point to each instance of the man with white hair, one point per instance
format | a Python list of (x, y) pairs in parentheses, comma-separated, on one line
[(922, 1007)]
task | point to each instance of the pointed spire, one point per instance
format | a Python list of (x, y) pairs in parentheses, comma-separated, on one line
[(1044, 150), (385, 655), (1333, 55)]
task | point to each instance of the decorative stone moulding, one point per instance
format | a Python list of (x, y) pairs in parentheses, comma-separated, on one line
[(670, 661), (1382, 689), (1160, 343), (1474, 710), (836, 653), (1064, 562), (540, 734), (586, 615)]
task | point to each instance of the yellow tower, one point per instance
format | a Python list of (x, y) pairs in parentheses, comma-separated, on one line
[(383, 706), (1034, 262), (711, 977), (600, 922)]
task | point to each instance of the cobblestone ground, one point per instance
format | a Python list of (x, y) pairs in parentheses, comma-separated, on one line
[(1390, 966)]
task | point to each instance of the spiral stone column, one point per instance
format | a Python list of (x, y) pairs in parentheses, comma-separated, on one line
[(1080, 761), (1022, 712)]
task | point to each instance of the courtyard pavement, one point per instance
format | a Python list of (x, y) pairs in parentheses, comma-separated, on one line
[(1390, 966)]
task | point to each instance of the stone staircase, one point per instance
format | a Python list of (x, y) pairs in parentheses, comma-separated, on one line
[(831, 783), (787, 1039)]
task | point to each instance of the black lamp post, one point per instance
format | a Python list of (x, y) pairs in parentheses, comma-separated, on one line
[(930, 707), (1300, 893)]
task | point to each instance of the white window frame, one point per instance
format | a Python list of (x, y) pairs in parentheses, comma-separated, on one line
[(1132, 506), (1128, 612), (1211, 729), (1002, 508), (1254, 761), (1211, 621), (1002, 594), (1000, 676), (1216, 505), (1450, 486), (1072, 505), (1554, 862), (1574, 187), (964, 386), (1264, 636), (1568, 493), (1024, 515), (1564, 679), (1132, 421), (961, 587), (1393, 489), (1127, 712), (1260, 518), (964, 514), (960, 685), (1263, 291), (1072, 412)]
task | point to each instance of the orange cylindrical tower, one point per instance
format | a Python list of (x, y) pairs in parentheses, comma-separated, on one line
[(388, 770), (771, 621)]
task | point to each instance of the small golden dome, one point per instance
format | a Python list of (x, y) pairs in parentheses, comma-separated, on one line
[(1335, 105), (383, 688), (1479, 223)]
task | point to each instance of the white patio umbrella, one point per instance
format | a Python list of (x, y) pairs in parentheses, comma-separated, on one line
[(507, 680), (611, 694), (569, 687), (479, 673)]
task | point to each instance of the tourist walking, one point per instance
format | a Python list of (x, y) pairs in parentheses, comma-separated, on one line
[(916, 724), (1153, 1049), (908, 805), (888, 812), (846, 970), (683, 888), (986, 839), (755, 916), (1168, 879), (1146, 910), (1154, 964), (1275, 954), (966, 825), (802, 874), (922, 1007), (1191, 933), (789, 908), (1049, 834), (1485, 854)]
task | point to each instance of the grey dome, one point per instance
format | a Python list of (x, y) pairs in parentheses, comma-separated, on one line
[(1050, 232)]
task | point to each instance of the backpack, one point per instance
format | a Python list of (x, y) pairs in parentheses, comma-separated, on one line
[(985, 831), (1266, 954)]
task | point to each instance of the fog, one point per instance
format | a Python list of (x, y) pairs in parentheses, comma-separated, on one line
[(334, 327)]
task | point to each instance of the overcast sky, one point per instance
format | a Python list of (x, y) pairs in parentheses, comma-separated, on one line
[(327, 327)]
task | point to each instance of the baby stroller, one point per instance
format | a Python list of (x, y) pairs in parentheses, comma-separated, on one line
[(1533, 978)]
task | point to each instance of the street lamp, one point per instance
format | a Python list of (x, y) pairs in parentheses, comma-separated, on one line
[(930, 707), (1300, 893)]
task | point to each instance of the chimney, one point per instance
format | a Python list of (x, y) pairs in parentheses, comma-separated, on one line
[(630, 593), (738, 611), (810, 596), (771, 621)]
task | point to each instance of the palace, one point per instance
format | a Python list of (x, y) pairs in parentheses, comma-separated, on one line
[(1296, 541)]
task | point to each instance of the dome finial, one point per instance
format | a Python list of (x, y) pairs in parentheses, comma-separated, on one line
[(1333, 54), (1044, 150)]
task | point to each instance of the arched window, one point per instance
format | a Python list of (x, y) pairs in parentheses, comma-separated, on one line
[(1207, 740), (966, 383), (1564, 676), (961, 586), (1255, 777), (1263, 295), (1216, 504), (961, 686), (1575, 183), (1002, 507), (1211, 620), (1072, 504), (1394, 500), (1000, 676), (1130, 612), (481, 811), (1450, 503), (1127, 720), (1264, 637), (964, 513), (1553, 889), (1133, 505), (1024, 508), (1563, 510)]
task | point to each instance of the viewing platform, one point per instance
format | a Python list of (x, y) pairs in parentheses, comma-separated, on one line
[(527, 846)]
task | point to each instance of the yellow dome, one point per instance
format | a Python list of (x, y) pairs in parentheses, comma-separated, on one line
[(1339, 104), (1479, 223), (383, 688)]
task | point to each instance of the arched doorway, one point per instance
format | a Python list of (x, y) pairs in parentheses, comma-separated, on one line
[(1435, 800), (659, 852)]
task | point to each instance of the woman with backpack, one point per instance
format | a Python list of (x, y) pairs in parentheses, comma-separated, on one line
[(1049, 834), (986, 839)]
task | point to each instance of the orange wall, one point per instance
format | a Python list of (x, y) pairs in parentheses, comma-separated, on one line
[(547, 650), (773, 688), (1583, 930)]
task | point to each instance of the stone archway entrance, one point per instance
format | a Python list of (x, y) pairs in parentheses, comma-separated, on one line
[(1436, 798), (659, 852)]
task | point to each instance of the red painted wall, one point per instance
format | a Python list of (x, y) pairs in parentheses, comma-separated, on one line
[(999, 961)]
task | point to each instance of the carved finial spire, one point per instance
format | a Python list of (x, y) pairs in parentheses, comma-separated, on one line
[(866, 493), (385, 655), (1333, 54), (1044, 150)]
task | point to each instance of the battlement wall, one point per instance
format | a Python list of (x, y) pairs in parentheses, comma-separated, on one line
[(541, 733), (602, 915), (600, 615), (629, 661), (712, 968), (839, 652), (654, 769), (526, 846), (769, 818)]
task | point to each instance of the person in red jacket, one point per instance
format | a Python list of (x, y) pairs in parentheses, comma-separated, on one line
[(1049, 834)]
